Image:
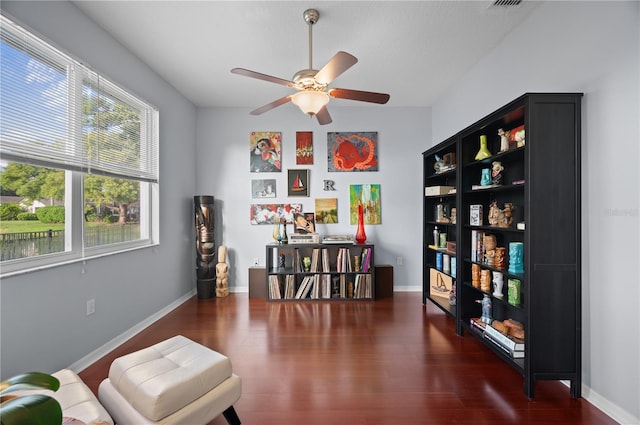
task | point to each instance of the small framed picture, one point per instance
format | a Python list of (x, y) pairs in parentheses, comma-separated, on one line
[(263, 188), (298, 182), (304, 223)]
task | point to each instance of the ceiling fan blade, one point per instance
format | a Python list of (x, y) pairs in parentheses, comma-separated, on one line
[(363, 96), (270, 106), (323, 116), (260, 76), (338, 64)]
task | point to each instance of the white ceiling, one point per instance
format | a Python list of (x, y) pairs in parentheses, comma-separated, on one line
[(413, 50)]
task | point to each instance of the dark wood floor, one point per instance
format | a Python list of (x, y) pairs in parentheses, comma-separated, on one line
[(393, 361)]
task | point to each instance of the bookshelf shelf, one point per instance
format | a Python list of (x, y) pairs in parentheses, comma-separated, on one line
[(540, 181)]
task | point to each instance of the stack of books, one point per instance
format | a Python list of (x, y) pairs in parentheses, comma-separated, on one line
[(511, 346)]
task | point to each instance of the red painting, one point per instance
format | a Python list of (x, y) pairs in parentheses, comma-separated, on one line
[(304, 147), (352, 151)]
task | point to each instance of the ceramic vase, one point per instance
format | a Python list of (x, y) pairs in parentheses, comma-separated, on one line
[(361, 236), (484, 152)]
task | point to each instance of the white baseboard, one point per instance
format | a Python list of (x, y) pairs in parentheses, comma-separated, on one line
[(105, 349), (610, 409)]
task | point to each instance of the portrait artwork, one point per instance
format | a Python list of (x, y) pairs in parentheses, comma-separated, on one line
[(264, 151)]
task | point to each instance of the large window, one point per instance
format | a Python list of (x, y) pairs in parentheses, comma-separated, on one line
[(78, 158)]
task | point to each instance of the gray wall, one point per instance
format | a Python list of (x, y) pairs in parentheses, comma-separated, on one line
[(44, 326), (589, 47), (223, 156)]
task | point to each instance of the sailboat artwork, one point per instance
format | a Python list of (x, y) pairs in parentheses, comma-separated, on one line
[(298, 186), (298, 182)]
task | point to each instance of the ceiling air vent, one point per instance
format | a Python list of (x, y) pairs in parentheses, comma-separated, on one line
[(506, 3)]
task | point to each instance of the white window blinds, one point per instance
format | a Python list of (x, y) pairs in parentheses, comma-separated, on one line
[(56, 112)]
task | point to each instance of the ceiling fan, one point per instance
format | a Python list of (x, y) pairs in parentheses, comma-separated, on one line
[(312, 93)]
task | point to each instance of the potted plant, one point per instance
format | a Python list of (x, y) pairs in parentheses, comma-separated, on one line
[(32, 409)]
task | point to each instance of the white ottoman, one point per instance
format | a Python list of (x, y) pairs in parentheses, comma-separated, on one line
[(176, 381)]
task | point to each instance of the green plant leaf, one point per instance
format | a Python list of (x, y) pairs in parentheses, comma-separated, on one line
[(34, 409), (29, 381)]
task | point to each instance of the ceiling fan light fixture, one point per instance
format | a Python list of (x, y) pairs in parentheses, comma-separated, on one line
[(310, 101)]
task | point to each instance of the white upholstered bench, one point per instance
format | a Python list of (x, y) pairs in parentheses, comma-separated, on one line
[(176, 381)]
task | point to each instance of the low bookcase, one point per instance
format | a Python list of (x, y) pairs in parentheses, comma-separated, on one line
[(320, 272)]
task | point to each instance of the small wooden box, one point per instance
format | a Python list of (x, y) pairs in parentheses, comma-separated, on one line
[(451, 246)]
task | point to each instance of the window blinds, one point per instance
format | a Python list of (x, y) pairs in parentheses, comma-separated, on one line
[(57, 112)]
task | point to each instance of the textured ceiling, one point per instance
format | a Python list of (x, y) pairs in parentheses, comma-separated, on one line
[(412, 50)]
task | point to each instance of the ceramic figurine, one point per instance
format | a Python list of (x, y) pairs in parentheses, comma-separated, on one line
[(504, 140), (485, 178), (486, 310), (475, 275), (485, 280), (496, 172), (516, 251), (498, 259), (498, 282)]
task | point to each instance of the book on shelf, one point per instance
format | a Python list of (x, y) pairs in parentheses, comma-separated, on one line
[(314, 260), (274, 287), (363, 286), (511, 353), (289, 287), (365, 260), (326, 286), (325, 260), (506, 341), (477, 246), (475, 215)]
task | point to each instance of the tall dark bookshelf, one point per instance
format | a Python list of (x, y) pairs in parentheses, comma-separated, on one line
[(541, 179)]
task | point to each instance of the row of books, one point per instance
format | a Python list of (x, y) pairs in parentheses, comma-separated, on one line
[(320, 287), (513, 347)]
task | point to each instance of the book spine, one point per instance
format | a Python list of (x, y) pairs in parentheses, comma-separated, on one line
[(474, 245)]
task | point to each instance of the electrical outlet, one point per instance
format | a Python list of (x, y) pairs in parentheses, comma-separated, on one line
[(91, 306), (256, 261), (399, 261)]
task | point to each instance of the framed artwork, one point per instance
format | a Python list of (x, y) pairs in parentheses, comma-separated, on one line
[(298, 182), (263, 188), (269, 213), (304, 223), (304, 147), (327, 210), (367, 195), (264, 151), (352, 151)]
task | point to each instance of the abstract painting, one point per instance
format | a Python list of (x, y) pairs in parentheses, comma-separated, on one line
[(304, 147), (269, 213), (367, 195), (352, 151)]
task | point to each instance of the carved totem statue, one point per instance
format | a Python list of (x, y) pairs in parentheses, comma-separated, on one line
[(205, 246), (222, 273)]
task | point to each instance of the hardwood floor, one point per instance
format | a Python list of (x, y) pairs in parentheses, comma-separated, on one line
[(393, 361)]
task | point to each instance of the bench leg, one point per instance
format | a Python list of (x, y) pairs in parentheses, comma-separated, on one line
[(231, 416)]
